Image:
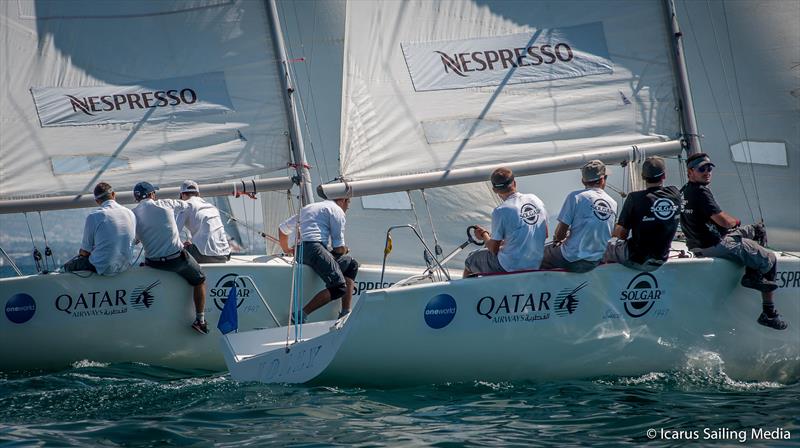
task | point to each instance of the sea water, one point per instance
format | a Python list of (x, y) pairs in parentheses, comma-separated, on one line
[(95, 404)]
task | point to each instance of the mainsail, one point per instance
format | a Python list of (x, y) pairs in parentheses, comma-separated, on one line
[(137, 90)]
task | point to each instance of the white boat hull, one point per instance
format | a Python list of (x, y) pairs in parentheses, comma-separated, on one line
[(144, 314), (555, 325)]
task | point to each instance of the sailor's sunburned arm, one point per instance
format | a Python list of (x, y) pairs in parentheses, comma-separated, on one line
[(561, 232), (341, 250), (494, 245), (283, 240), (725, 220), (84, 253), (620, 232)]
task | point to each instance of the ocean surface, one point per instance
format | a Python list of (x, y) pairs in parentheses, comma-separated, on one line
[(94, 404)]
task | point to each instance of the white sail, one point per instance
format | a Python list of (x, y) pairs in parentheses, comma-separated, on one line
[(136, 90), (744, 67), (433, 86)]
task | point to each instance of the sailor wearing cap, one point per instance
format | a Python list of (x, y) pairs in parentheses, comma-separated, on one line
[(208, 243), (519, 228), (650, 217), (158, 232), (584, 224), (710, 232), (108, 236)]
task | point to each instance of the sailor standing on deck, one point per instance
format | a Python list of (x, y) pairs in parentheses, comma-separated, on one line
[(158, 233), (651, 217), (320, 223), (108, 236), (584, 224), (208, 243), (519, 228), (710, 232)]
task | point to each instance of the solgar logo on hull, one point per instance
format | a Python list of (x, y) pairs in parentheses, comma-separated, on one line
[(219, 293), (641, 294)]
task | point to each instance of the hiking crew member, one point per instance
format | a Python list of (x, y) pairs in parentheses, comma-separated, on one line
[(208, 243), (108, 236), (584, 224), (710, 232), (519, 228), (321, 223), (650, 217), (158, 233), (287, 231)]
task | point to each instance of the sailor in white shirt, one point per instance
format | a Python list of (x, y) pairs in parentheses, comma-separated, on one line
[(322, 223), (209, 243), (287, 235), (584, 225), (158, 232), (108, 236), (519, 228)]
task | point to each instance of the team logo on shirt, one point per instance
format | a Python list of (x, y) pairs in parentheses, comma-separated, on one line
[(664, 209), (529, 213), (602, 209)]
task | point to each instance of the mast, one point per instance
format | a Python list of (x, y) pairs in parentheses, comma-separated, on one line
[(691, 134), (298, 150)]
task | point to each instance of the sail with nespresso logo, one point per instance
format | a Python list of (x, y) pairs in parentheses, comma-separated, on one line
[(176, 99)]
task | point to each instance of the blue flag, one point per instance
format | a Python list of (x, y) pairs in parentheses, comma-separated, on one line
[(229, 318)]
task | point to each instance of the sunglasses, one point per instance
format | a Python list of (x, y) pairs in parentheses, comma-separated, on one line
[(705, 168)]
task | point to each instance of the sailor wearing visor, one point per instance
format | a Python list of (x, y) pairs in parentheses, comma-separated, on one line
[(710, 232)]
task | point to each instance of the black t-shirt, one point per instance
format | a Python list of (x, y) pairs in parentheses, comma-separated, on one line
[(698, 207), (652, 217)]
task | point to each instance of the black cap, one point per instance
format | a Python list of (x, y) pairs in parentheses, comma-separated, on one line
[(502, 178), (653, 167), (695, 163), (142, 189)]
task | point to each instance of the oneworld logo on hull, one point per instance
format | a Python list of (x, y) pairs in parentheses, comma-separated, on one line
[(20, 308), (440, 311), (541, 55)]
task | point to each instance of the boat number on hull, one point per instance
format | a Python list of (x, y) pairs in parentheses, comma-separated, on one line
[(641, 295), (440, 311), (20, 308), (530, 306), (296, 361)]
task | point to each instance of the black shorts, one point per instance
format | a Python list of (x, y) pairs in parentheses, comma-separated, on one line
[(79, 263), (184, 265), (200, 258), (330, 268)]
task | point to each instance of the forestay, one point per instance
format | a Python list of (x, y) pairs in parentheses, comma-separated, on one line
[(136, 90), (438, 85)]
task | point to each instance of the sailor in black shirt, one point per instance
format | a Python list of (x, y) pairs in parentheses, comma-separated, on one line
[(710, 232), (651, 217)]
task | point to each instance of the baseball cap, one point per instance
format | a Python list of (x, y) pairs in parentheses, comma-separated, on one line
[(142, 189), (653, 167), (698, 162), (190, 186), (502, 178), (592, 171)]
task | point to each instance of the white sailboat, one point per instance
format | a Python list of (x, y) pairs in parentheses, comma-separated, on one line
[(423, 108), (144, 90)]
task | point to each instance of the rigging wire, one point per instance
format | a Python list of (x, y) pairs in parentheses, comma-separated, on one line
[(37, 256), (47, 251), (741, 110), (716, 103)]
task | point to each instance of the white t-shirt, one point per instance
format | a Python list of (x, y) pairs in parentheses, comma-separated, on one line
[(288, 228), (203, 222), (109, 235), (521, 222), (323, 221), (590, 215), (156, 227)]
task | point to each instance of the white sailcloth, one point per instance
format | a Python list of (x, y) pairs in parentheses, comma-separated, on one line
[(136, 90), (432, 86)]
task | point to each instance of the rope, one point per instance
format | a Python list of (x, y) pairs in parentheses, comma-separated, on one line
[(437, 248), (37, 256), (741, 110), (47, 251), (716, 103)]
